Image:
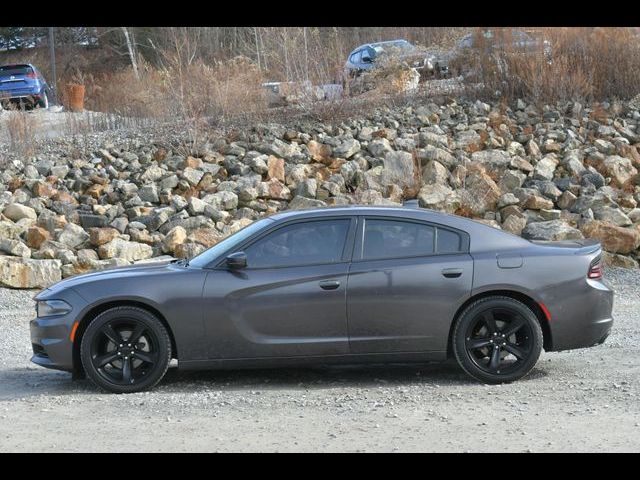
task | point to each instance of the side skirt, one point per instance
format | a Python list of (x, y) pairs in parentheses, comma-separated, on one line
[(350, 359)]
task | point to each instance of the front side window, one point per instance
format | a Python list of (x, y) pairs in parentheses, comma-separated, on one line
[(204, 259), (307, 243), (394, 239)]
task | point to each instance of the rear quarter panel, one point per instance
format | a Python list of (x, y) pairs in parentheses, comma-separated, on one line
[(555, 277)]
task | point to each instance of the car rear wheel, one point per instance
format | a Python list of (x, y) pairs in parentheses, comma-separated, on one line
[(497, 340), (44, 100), (125, 350)]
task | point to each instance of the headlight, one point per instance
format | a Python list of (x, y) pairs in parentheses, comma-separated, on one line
[(47, 308)]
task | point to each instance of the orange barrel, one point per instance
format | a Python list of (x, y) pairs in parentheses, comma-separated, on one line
[(75, 97)]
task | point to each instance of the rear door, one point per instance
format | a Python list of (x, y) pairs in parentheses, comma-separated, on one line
[(406, 282)]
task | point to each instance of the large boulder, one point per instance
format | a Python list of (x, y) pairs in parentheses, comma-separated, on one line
[(176, 236), (620, 169), (617, 260), (126, 250), (514, 224), (399, 169), (100, 236), (347, 148), (36, 236), (439, 197), (435, 172), (192, 175), (16, 211), (545, 168), (532, 199), (28, 273), (73, 235), (481, 193), (10, 230), (320, 152), (301, 203), (224, 200), (493, 159), (613, 238), (551, 230), (14, 247), (275, 168)]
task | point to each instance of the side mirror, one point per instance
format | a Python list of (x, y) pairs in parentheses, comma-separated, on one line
[(236, 260)]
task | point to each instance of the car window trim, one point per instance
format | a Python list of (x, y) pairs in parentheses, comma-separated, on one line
[(359, 244), (347, 250)]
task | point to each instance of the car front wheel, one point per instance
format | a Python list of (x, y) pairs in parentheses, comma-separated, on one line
[(497, 340), (125, 350)]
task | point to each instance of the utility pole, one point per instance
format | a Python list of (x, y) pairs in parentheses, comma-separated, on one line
[(52, 51)]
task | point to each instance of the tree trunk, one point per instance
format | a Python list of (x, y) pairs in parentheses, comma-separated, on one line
[(131, 48)]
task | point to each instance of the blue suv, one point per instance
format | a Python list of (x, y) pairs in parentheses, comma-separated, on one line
[(23, 85)]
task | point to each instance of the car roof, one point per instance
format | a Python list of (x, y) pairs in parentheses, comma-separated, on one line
[(374, 44), (482, 236), (16, 65)]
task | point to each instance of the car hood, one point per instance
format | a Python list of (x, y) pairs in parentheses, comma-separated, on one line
[(115, 273)]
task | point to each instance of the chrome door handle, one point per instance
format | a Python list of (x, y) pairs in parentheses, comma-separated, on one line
[(329, 284), (451, 272)]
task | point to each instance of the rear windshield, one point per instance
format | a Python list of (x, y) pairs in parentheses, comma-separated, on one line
[(14, 70)]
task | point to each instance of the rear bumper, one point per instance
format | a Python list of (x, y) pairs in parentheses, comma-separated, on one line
[(20, 95), (583, 318)]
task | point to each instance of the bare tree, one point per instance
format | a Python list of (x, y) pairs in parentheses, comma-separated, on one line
[(131, 48)]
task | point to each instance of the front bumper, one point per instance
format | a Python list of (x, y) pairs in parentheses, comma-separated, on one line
[(50, 336), (51, 343)]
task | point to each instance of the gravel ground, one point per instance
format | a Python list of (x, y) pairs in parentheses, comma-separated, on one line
[(584, 400)]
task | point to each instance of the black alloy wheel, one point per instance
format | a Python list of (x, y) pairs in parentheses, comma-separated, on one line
[(497, 339), (125, 349)]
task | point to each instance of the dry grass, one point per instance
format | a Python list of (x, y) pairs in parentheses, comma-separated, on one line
[(220, 91), (22, 128), (587, 64)]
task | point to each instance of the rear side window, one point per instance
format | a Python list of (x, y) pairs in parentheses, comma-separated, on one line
[(392, 239), (306, 243), (448, 241)]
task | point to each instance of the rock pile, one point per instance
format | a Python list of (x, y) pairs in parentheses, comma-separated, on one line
[(561, 172)]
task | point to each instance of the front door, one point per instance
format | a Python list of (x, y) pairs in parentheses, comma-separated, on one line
[(406, 282), (290, 300)]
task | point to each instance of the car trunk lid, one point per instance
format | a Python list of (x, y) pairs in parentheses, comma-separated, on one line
[(581, 246), (16, 77)]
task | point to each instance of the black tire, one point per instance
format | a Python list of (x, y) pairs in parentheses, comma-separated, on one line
[(118, 366), (44, 101), (497, 340)]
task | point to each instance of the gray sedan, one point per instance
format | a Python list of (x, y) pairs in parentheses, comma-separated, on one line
[(327, 286)]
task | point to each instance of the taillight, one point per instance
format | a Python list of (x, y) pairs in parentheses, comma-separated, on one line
[(595, 269)]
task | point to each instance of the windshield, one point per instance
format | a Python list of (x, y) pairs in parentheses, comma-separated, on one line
[(206, 257)]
